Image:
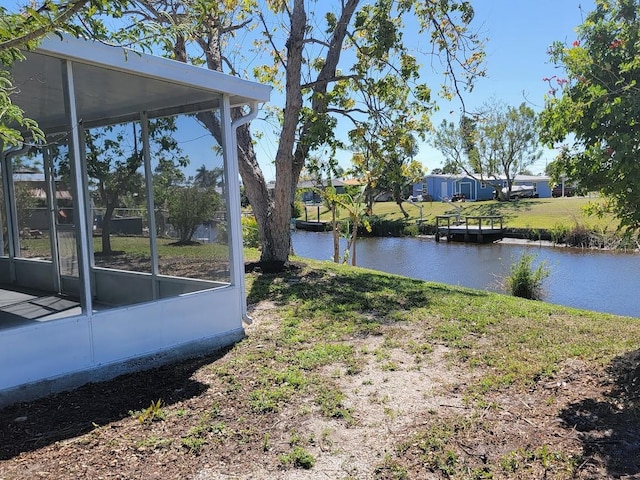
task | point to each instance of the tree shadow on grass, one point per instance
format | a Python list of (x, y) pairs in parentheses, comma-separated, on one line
[(610, 427), (32, 425), (373, 294), (505, 209)]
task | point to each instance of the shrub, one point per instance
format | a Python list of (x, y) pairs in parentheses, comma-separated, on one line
[(410, 230), (190, 207), (427, 228), (381, 227), (559, 233), (297, 209), (579, 236), (524, 281), (250, 235), (299, 458)]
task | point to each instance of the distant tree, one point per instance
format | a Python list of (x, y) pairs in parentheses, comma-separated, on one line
[(166, 176), (114, 159), (384, 159), (400, 170), (500, 142), (366, 164), (208, 178), (594, 111), (560, 170), (356, 213), (189, 207), (450, 168)]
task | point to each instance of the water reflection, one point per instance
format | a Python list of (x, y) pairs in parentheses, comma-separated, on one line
[(594, 280)]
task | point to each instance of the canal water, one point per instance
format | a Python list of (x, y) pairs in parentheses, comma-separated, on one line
[(594, 280)]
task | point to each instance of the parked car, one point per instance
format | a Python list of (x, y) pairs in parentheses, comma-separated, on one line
[(568, 191)]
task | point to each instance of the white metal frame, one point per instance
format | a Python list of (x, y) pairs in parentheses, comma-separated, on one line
[(39, 358)]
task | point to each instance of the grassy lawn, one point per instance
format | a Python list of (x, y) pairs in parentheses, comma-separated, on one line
[(539, 213), (348, 373)]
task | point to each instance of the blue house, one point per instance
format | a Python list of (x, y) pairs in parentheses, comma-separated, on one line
[(443, 187)]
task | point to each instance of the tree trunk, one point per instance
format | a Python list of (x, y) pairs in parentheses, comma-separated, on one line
[(354, 237), (106, 229), (273, 212), (398, 198), (404, 212)]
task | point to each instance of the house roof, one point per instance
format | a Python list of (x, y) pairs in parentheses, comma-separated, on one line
[(114, 84), (517, 178), (41, 194), (336, 182), (314, 184)]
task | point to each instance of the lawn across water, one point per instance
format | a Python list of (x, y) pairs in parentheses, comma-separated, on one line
[(535, 213)]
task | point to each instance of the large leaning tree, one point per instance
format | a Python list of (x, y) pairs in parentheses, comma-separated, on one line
[(594, 110), (327, 59), (494, 146), (323, 55)]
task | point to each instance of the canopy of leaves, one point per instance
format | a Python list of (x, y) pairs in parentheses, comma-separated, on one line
[(499, 142), (190, 207), (300, 45), (595, 109)]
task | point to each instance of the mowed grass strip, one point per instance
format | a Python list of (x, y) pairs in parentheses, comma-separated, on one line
[(534, 213)]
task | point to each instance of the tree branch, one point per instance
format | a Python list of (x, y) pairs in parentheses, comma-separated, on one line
[(73, 8)]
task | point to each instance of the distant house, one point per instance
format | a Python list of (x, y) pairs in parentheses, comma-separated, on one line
[(443, 187), (309, 189)]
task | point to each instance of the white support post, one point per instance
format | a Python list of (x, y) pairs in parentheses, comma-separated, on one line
[(52, 212), (151, 213), (232, 175), (76, 157)]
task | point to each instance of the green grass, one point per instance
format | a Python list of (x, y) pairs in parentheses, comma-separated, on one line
[(510, 344), (537, 213), (518, 341), (136, 246), (313, 334)]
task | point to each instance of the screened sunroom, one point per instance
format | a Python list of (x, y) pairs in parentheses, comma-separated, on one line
[(120, 235)]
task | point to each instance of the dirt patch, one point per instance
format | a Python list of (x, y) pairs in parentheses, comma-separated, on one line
[(406, 413)]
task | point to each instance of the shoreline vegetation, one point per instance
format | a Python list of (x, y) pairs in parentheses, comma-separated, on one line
[(560, 221)]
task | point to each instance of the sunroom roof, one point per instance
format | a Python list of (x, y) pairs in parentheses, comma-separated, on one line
[(113, 84)]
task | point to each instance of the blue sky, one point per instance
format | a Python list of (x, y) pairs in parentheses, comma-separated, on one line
[(519, 33)]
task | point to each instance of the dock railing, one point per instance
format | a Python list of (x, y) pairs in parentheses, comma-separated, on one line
[(471, 227), (491, 218)]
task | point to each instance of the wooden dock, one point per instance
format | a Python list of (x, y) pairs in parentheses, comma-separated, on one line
[(475, 229), (312, 226)]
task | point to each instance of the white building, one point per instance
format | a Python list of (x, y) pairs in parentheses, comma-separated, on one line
[(69, 314)]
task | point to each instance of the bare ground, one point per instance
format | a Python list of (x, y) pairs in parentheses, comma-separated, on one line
[(409, 418)]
